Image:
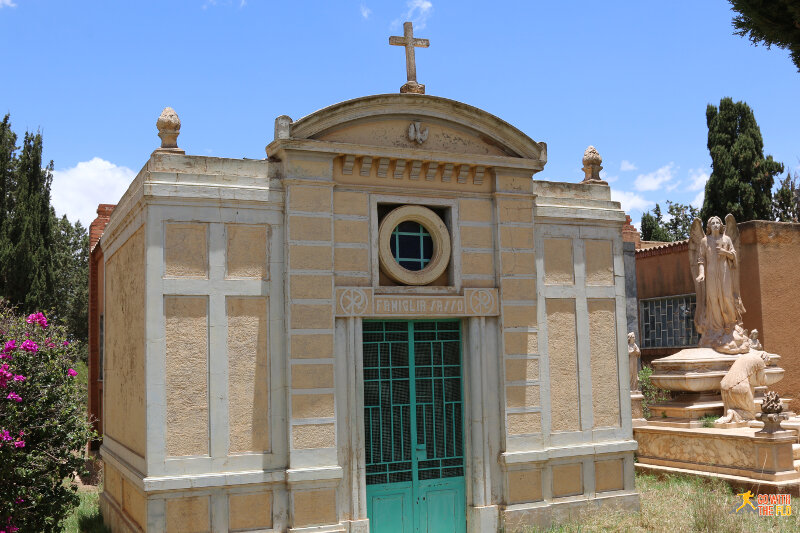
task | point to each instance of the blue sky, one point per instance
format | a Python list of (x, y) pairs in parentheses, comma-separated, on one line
[(631, 78)]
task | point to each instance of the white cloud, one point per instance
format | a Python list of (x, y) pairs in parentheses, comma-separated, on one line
[(698, 200), (365, 11), (627, 165), (697, 179), (605, 177), (418, 13), (76, 191), (655, 180), (7, 3), (630, 201)]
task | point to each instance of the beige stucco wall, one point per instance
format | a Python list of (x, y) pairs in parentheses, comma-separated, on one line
[(188, 515), (603, 350), (186, 250), (187, 375), (563, 352), (567, 480), (608, 475), (112, 483), (124, 345), (134, 503), (522, 369), (524, 486), (247, 251), (314, 507), (558, 266), (250, 511), (313, 436), (599, 263), (523, 423), (248, 374)]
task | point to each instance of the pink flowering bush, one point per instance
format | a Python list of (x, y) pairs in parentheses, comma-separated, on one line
[(43, 424)]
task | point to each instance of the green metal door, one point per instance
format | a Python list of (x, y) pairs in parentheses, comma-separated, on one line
[(413, 425)]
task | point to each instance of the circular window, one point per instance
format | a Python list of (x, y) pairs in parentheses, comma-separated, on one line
[(411, 245), (414, 245)]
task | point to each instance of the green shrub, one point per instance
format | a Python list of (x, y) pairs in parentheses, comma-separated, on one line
[(43, 425), (651, 393)]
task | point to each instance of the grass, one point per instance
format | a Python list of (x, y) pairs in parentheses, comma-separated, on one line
[(708, 420), (86, 517), (679, 504)]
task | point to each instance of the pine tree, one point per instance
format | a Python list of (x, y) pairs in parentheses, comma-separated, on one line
[(771, 22), (680, 222), (653, 226), (29, 266), (786, 200), (741, 178), (70, 255)]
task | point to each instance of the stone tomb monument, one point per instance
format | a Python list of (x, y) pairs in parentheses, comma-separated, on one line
[(722, 378), (386, 324)]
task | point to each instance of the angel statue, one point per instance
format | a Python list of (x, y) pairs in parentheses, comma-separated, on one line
[(715, 268)]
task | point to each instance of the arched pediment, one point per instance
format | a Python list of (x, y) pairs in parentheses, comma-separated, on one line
[(384, 120)]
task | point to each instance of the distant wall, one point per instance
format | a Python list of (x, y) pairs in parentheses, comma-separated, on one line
[(771, 294)]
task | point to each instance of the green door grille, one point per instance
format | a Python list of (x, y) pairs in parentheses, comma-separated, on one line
[(387, 402), (413, 424)]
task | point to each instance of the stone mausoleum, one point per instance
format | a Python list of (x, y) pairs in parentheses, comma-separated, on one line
[(388, 325)]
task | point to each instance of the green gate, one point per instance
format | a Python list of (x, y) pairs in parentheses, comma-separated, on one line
[(413, 426)]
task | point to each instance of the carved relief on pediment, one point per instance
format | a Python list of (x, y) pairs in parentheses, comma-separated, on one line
[(413, 133)]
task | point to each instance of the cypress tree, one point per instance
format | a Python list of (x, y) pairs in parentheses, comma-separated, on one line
[(7, 163), (741, 178), (29, 266)]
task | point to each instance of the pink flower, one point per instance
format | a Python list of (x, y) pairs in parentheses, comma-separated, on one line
[(4, 435), (49, 343), (37, 318), (14, 396), (66, 343), (9, 346), (19, 443), (5, 376), (30, 346), (19, 377), (72, 372), (19, 500)]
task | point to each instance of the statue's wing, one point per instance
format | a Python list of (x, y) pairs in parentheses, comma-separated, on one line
[(412, 132), (696, 235), (732, 231)]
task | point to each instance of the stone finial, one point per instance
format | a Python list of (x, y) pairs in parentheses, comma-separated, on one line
[(771, 413), (283, 127), (169, 127), (591, 166)]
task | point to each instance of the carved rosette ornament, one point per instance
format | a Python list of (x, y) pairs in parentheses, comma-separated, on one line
[(591, 166), (169, 127)]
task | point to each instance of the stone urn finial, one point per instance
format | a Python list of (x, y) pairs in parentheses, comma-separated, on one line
[(169, 127), (771, 413), (591, 166)]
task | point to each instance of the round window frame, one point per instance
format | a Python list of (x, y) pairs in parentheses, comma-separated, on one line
[(439, 235)]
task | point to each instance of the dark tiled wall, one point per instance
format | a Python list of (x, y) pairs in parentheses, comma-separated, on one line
[(668, 322)]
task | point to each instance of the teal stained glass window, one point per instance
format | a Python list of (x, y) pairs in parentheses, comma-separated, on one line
[(411, 245)]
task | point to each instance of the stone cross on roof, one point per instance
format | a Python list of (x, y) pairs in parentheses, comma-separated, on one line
[(408, 40)]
